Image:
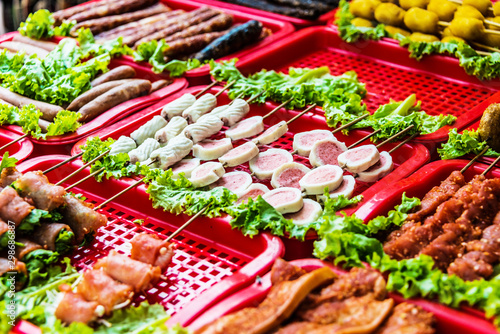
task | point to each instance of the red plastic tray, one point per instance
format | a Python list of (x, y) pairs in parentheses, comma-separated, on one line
[(20, 150), (417, 185), (115, 113), (297, 22), (202, 75), (442, 86), (211, 260), (407, 159), (448, 320)]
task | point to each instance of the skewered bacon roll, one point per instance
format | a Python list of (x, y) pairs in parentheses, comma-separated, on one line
[(149, 248), (36, 186), (13, 207), (138, 275), (74, 308)]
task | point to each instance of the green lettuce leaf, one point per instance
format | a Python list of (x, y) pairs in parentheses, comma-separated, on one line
[(113, 48), (38, 25), (65, 121), (7, 162), (64, 241), (394, 217), (349, 32), (40, 259), (460, 144), (33, 220)]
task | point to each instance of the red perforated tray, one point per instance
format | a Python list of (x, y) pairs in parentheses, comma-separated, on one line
[(448, 320), (297, 22), (442, 86), (20, 150), (406, 159), (417, 185), (201, 75), (211, 260)]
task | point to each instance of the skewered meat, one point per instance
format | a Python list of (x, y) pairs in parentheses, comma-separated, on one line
[(176, 149), (199, 16), (27, 247), (81, 217), (149, 248), (237, 182), (304, 141), (255, 190), (205, 127), (359, 159), (407, 318), (36, 186), (304, 13), (285, 271), (111, 8), (289, 175), (235, 39), (272, 134), (212, 149), (117, 73), (310, 212), (144, 150), (97, 286), (176, 107), (124, 144), (148, 130), (46, 234), (171, 130), (13, 207), (438, 195), (109, 22), (357, 282), (8, 176), (285, 200), (4, 228), (206, 174), (240, 154), (190, 45), (316, 180), (73, 307), (200, 107), (354, 315), (218, 23), (234, 112), (380, 169), (326, 152), (248, 127), (136, 274), (346, 188), (185, 166), (264, 164), (278, 306)]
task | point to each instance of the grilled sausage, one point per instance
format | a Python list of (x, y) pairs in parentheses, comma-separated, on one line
[(192, 44), (93, 93), (46, 45), (48, 110), (111, 8), (220, 22), (120, 72)]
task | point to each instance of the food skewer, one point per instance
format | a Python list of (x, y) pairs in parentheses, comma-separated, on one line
[(13, 141), (83, 167), (364, 138), (62, 163), (490, 167), (475, 159), (204, 90), (85, 178)]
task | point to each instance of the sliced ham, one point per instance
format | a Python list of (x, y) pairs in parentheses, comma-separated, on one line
[(236, 181), (289, 175), (310, 212), (138, 275), (206, 174), (239, 155), (247, 128), (204, 128), (97, 286), (380, 169), (255, 190), (73, 307), (204, 104), (285, 200), (265, 163), (326, 152), (271, 134), (315, 181), (359, 159), (185, 166), (176, 125), (212, 149), (149, 248), (304, 141), (176, 107), (346, 188)]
